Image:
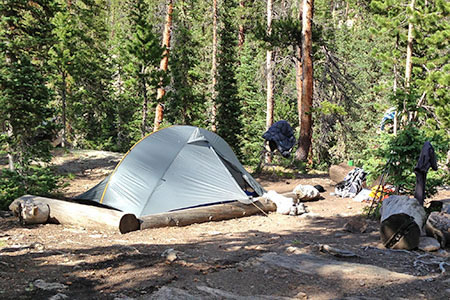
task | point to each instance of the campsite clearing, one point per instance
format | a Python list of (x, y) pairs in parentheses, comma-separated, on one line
[(256, 257)]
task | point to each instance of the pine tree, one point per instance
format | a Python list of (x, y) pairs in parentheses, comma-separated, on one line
[(25, 115), (146, 53), (186, 104), (228, 102)]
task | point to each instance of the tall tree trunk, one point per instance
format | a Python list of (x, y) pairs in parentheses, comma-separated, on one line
[(409, 51), (394, 88), (64, 101), (269, 96), (214, 70), (10, 59), (11, 158), (159, 114), (409, 48), (307, 89), (144, 107), (299, 79)]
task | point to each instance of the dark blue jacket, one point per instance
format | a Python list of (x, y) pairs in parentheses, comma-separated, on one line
[(282, 135)]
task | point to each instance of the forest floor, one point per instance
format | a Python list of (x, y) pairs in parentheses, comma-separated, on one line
[(255, 257)]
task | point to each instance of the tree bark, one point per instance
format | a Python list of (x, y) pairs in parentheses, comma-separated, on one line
[(409, 48), (299, 78), (203, 214), (307, 87), (214, 70), (64, 101), (144, 107), (85, 216), (159, 113), (269, 96), (438, 226)]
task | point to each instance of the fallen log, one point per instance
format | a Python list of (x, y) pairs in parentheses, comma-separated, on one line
[(86, 216), (338, 172), (438, 226), (402, 219), (217, 212)]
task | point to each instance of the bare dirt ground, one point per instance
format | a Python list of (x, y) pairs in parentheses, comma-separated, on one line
[(255, 257)]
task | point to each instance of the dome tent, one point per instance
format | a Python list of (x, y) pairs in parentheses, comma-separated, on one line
[(175, 168)]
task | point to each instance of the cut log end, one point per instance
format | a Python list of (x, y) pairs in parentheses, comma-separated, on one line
[(399, 231), (128, 223)]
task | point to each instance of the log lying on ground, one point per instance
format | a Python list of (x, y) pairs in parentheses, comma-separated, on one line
[(438, 226), (338, 172), (203, 214), (402, 219), (86, 216)]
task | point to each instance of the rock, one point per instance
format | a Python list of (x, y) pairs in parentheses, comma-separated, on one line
[(336, 251), (306, 192), (338, 172), (123, 297), (170, 255), (301, 295), (58, 296), (356, 225), (172, 293), (318, 266), (429, 244), (221, 294), (48, 286)]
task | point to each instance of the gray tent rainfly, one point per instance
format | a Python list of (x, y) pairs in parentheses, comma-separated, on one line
[(175, 168)]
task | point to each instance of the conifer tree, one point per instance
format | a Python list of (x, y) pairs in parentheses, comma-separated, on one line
[(228, 102), (25, 115), (185, 103), (146, 53)]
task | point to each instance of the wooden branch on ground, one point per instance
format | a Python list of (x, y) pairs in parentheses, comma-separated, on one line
[(86, 216), (216, 212)]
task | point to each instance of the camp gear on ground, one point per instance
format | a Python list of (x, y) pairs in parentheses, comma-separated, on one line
[(427, 160), (284, 204), (363, 196), (175, 168), (306, 192), (380, 192), (388, 115), (352, 183), (319, 188), (280, 136)]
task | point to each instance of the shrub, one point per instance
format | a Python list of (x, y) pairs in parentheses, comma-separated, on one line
[(36, 180), (399, 154)]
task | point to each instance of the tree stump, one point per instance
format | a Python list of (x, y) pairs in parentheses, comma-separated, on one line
[(438, 226), (402, 219)]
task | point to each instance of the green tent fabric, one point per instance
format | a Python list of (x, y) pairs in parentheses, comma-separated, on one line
[(175, 168)]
